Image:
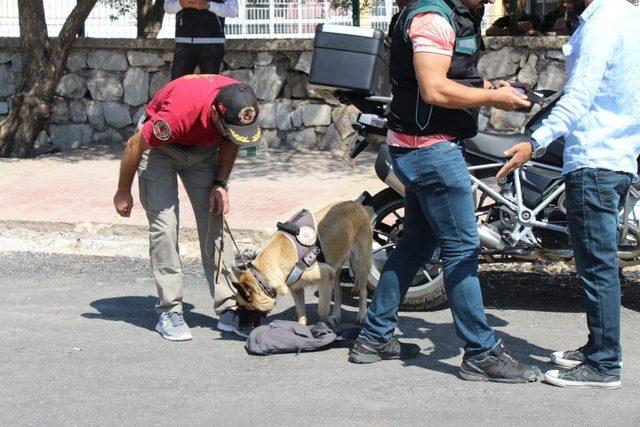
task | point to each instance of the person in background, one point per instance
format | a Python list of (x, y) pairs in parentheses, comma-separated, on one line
[(599, 117), (200, 35), (528, 25), (563, 20)]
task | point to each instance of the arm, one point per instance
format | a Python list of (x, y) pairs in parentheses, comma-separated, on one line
[(219, 198), (228, 9), (135, 146), (592, 57), (437, 89)]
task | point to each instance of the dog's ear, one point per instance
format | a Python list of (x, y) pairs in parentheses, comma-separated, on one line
[(236, 271), (243, 293)]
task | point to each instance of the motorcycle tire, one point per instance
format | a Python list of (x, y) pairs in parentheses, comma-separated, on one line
[(426, 292)]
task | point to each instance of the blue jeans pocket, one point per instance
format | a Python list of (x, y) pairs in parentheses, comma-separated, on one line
[(612, 186)]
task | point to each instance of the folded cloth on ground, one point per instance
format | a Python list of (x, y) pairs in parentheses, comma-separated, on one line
[(285, 336)]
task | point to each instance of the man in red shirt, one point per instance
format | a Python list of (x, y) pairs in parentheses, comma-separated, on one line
[(193, 128)]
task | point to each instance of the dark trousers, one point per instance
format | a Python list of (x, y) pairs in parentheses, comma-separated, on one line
[(187, 56), (594, 198), (438, 211)]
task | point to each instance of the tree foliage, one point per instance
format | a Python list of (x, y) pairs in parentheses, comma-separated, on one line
[(148, 13)]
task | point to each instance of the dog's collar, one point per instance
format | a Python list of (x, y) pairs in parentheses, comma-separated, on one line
[(264, 284)]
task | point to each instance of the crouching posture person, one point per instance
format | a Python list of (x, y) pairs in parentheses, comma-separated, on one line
[(436, 92), (193, 128)]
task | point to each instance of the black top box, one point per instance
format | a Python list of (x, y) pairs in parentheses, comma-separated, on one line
[(350, 58)]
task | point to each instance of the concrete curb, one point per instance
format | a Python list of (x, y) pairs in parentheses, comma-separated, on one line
[(108, 240)]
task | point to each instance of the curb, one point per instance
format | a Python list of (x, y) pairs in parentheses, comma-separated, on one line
[(106, 240)]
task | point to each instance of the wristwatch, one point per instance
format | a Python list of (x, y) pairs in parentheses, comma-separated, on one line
[(538, 150), (221, 183)]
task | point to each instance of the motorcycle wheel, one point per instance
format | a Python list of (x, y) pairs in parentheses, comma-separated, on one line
[(427, 290)]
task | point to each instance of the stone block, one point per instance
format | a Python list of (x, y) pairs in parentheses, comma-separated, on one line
[(59, 111), (136, 116), (105, 87), (107, 60), (70, 136), (270, 137), (41, 140), (5, 57), (343, 117), (296, 117), (500, 63), (116, 114), (95, 115), (144, 59), (304, 139), (304, 62), (296, 86), (158, 80), (16, 63), (77, 112), (136, 87), (552, 77), (528, 74), (267, 82), (4, 108), (7, 80), (110, 136), (283, 115), (331, 140), (239, 60), (77, 60), (316, 115), (71, 86), (267, 115), (264, 58), (556, 55), (511, 121), (244, 75)]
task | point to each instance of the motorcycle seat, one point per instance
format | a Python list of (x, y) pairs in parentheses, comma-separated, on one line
[(493, 144)]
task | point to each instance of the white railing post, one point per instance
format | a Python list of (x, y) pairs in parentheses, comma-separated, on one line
[(272, 18)]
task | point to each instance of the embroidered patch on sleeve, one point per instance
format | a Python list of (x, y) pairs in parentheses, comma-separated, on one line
[(161, 130)]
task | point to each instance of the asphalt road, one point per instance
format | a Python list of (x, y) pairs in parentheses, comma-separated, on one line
[(78, 348)]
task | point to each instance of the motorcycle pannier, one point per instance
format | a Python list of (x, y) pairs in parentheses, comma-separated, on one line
[(350, 58)]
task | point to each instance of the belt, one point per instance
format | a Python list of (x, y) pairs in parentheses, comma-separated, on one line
[(201, 40)]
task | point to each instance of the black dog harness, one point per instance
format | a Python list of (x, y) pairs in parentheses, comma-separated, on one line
[(301, 230)]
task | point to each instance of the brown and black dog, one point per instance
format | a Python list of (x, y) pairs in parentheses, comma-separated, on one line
[(344, 230)]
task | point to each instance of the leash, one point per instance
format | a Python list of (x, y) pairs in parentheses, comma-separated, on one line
[(211, 253)]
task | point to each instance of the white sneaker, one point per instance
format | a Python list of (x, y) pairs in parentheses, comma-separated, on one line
[(173, 327), (229, 321)]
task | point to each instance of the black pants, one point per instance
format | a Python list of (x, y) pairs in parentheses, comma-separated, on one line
[(187, 56)]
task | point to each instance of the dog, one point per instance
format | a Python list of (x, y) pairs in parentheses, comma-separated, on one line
[(345, 233)]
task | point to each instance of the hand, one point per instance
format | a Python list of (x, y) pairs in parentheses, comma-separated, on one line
[(218, 201), (123, 202), (520, 154), (508, 99)]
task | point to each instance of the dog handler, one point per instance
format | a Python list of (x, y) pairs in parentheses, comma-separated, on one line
[(193, 128), (436, 94)]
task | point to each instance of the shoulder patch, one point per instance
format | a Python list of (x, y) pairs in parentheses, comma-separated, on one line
[(162, 130)]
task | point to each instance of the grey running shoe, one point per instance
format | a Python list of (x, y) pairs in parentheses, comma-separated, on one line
[(173, 327), (229, 321), (500, 367), (568, 359), (365, 351), (582, 376)]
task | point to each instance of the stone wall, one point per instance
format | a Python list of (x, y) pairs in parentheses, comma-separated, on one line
[(109, 81)]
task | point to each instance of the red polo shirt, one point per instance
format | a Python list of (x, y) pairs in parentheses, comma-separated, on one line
[(181, 111)]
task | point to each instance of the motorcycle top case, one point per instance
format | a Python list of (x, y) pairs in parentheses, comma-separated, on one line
[(351, 58)]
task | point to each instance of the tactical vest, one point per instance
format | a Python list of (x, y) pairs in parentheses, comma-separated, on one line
[(199, 23), (409, 113)]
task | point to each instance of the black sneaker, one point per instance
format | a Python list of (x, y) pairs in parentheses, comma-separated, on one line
[(500, 367), (568, 359), (582, 376), (364, 351)]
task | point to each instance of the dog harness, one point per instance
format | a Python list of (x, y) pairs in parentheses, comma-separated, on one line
[(301, 230)]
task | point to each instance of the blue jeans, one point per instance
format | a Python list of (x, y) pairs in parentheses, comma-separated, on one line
[(438, 211), (594, 198)]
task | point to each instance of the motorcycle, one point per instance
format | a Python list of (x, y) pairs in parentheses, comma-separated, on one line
[(521, 218)]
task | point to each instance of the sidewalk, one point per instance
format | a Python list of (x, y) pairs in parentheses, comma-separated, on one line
[(63, 203)]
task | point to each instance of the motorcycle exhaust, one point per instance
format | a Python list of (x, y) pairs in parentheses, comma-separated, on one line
[(489, 237)]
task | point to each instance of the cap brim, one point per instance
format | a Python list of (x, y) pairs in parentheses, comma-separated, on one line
[(244, 136)]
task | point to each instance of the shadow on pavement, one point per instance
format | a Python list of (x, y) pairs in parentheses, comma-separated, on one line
[(138, 311)]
